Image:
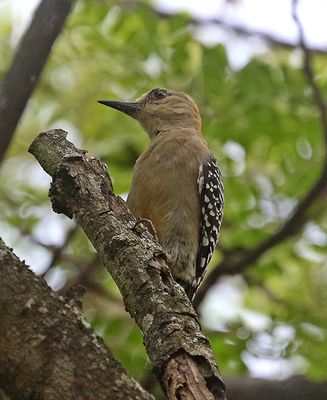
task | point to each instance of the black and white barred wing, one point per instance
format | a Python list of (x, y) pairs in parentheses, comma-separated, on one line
[(211, 191)]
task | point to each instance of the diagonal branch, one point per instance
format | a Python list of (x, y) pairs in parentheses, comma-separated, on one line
[(237, 261), (57, 251), (30, 58), (81, 188)]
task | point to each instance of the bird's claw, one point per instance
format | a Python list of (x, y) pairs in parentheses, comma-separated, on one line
[(149, 226)]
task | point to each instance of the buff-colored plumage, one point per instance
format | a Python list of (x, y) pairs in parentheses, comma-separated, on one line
[(165, 184)]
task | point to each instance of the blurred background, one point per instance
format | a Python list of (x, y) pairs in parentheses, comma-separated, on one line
[(240, 61)]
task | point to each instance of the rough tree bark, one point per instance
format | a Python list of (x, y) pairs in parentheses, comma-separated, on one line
[(47, 349), (30, 58), (181, 355), (40, 331)]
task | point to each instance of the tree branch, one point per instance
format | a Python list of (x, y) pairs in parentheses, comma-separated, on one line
[(308, 71), (57, 251), (243, 31), (237, 261), (294, 388), (31, 56), (180, 353), (47, 349)]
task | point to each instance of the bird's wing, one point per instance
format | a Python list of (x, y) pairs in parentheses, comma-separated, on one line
[(211, 191)]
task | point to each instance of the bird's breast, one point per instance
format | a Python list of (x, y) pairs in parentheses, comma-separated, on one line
[(164, 189)]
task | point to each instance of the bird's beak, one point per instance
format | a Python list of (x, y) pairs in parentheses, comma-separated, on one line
[(126, 107)]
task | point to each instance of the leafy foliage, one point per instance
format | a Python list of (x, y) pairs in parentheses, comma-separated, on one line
[(263, 127)]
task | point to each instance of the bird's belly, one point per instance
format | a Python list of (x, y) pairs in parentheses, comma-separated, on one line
[(171, 202), (169, 199)]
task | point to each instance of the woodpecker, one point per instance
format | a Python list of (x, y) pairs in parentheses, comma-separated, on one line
[(176, 184)]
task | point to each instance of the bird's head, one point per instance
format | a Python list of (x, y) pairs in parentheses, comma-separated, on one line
[(161, 110)]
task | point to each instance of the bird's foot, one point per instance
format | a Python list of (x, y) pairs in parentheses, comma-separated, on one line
[(149, 225)]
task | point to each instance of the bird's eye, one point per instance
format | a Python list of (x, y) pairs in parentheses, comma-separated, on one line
[(159, 94)]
